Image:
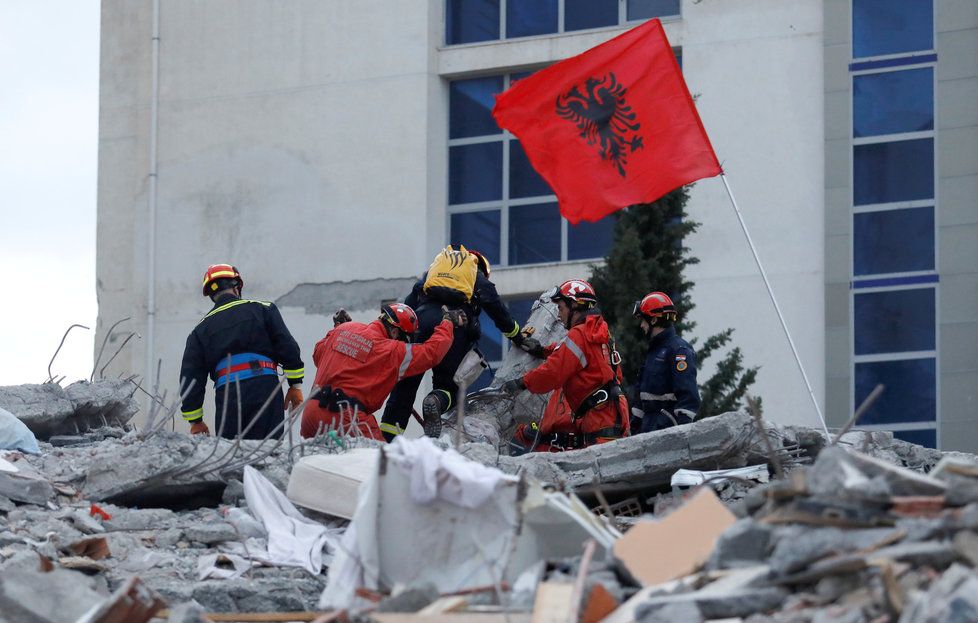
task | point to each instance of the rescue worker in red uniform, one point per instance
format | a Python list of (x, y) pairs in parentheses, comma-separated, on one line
[(240, 344), (587, 406), (357, 366)]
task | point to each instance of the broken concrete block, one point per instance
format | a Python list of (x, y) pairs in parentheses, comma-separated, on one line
[(798, 546), (27, 490), (6, 504), (60, 596), (188, 612), (952, 598), (411, 599), (685, 611), (209, 534), (84, 522), (734, 603), (676, 545), (48, 409), (743, 544), (837, 472)]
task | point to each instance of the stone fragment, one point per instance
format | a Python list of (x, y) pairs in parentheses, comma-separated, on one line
[(798, 546), (669, 613), (27, 490), (411, 599), (837, 472), (140, 518), (84, 522), (734, 603), (59, 596), (210, 534), (6, 504), (743, 544), (952, 598)]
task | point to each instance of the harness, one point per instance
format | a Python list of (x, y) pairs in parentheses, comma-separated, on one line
[(334, 399), (574, 441), (243, 366), (609, 391)]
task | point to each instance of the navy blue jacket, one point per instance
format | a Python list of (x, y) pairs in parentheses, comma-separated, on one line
[(235, 326), (668, 381)]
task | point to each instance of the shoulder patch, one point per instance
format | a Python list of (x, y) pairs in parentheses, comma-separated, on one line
[(681, 365), (680, 357)]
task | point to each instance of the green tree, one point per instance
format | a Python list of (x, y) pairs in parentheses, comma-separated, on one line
[(649, 254)]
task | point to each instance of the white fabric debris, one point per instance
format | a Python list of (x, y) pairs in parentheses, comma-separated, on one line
[(445, 474), (692, 477), (293, 540), (207, 566), (14, 434)]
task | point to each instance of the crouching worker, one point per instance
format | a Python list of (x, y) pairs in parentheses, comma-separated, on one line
[(357, 365), (588, 407)]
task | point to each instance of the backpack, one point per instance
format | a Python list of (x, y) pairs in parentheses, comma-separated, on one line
[(451, 276)]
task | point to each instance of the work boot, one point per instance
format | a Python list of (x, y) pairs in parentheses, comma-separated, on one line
[(431, 409)]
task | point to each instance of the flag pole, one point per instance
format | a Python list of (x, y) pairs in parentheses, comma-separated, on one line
[(777, 308)]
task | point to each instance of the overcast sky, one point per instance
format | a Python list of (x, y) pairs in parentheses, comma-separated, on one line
[(49, 54)]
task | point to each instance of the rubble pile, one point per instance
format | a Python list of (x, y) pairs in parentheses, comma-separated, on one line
[(728, 518)]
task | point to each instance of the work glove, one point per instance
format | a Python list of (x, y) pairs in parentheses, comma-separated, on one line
[(455, 316), (513, 386), (532, 346), (293, 397), (199, 428), (340, 317)]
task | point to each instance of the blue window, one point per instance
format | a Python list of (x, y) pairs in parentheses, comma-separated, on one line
[(894, 321), (525, 18), (893, 241), (590, 240), (524, 181), (470, 106), (881, 27), (926, 437), (468, 21), (895, 171), (644, 9), (479, 230), (582, 14), (909, 394), (893, 102), (534, 234), (475, 172), (520, 309)]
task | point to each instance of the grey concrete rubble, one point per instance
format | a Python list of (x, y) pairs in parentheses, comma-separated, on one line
[(873, 529), (51, 410)]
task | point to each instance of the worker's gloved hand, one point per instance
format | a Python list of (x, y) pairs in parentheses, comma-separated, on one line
[(293, 397), (532, 346), (340, 317), (513, 386), (455, 316), (199, 428)]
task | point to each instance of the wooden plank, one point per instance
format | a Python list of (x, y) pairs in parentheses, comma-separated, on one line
[(444, 605)]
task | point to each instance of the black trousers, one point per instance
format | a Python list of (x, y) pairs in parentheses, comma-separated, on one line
[(254, 392), (401, 401)]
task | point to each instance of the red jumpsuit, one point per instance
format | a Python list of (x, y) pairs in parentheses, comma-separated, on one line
[(576, 368), (365, 364)]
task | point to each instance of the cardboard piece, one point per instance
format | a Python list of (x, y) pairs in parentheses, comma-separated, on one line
[(676, 545), (553, 603)]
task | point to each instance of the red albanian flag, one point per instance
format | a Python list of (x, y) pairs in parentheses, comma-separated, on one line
[(611, 127)]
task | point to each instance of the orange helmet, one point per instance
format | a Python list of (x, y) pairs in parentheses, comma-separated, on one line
[(401, 316), (216, 272), (483, 262), (577, 293), (654, 306)]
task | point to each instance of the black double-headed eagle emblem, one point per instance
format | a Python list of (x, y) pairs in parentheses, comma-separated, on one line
[(603, 118)]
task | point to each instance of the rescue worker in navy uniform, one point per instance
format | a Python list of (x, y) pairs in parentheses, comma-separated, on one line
[(667, 390), (457, 279), (240, 343)]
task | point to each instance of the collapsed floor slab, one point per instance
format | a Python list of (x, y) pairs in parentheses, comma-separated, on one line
[(49, 409)]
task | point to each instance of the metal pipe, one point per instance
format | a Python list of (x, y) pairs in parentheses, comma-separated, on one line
[(151, 243), (777, 308)]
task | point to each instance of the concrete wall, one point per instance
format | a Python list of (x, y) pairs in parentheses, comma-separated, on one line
[(306, 143), (956, 104)]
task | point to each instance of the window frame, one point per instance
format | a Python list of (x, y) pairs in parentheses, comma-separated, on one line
[(622, 21), (868, 283), (506, 202), (895, 55)]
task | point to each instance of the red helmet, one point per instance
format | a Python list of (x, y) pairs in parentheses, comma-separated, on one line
[(577, 293), (401, 316), (219, 271), (483, 262), (655, 305)]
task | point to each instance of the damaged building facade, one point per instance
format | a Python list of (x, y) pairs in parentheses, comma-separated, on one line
[(330, 148)]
